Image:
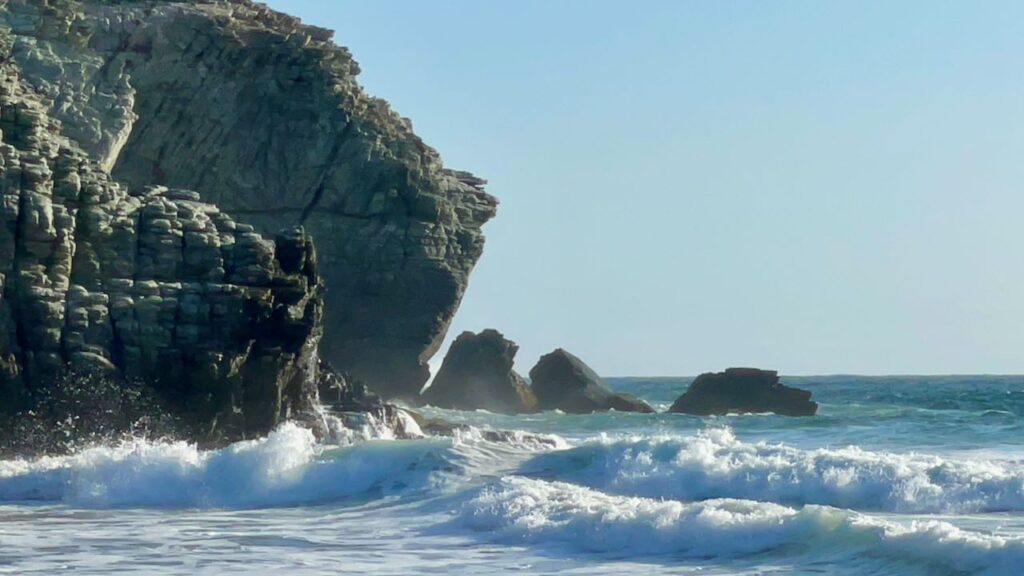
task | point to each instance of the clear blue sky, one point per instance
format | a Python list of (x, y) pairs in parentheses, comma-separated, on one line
[(816, 187)]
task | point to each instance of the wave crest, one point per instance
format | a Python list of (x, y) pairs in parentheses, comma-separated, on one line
[(284, 469), (524, 510), (715, 464)]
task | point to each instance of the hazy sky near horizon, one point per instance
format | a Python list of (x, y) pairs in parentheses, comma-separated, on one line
[(814, 187)]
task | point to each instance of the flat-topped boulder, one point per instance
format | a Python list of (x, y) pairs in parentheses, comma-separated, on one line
[(477, 374), (743, 390), (561, 381)]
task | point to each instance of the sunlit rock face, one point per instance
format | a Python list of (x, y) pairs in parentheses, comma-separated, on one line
[(477, 374), (263, 117), (561, 381), (146, 284)]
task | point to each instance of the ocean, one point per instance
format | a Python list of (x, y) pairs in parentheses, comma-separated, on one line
[(896, 475)]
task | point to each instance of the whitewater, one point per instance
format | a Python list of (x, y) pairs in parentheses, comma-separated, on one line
[(896, 475)]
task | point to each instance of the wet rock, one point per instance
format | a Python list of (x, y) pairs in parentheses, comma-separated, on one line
[(742, 390), (477, 374), (561, 381)]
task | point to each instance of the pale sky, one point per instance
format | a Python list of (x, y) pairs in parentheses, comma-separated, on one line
[(814, 187)]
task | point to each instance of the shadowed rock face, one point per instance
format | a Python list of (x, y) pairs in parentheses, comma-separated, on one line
[(739, 390), (151, 286), (561, 381), (263, 117), (477, 373)]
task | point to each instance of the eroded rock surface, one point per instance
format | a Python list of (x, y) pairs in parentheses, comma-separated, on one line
[(144, 283), (263, 117), (742, 390), (561, 381), (477, 374)]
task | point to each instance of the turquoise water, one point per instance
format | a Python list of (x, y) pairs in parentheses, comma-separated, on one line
[(896, 475)]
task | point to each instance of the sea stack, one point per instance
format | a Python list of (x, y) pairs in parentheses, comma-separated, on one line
[(561, 381), (743, 390), (477, 374)]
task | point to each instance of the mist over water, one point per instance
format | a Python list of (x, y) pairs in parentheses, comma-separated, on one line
[(919, 475)]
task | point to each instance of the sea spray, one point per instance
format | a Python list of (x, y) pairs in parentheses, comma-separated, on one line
[(289, 467), (285, 468), (657, 494)]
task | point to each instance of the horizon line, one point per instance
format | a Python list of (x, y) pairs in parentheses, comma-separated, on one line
[(841, 374)]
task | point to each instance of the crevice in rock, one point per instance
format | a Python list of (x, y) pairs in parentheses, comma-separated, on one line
[(252, 108), (332, 157)]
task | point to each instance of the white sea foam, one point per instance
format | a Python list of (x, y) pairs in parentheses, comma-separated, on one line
[(285, 468), (678, 501), (528, 441), (363, 427), (521, 510), (715, 464)]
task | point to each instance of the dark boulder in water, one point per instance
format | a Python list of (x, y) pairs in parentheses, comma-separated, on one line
[(477, 373), (743, 390), (561, 381)]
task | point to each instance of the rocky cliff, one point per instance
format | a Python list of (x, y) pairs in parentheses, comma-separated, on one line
[(142, 283), (263, 117)]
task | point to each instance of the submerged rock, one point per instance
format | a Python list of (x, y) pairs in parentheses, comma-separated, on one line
[(477, 373), (263, 116), (148, 286), (561, 381), (740, 390)]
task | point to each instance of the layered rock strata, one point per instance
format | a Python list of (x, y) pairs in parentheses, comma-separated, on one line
[(143, 283), (263, 117)]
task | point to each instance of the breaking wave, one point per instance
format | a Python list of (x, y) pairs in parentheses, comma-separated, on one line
[(285, 468), (715, 464), (521, 510)]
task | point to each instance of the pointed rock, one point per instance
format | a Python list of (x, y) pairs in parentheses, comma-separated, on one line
[(477, 373), (561, 381)]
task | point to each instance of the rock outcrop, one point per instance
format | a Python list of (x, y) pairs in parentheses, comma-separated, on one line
[(263, 117), (561, 381), (477, 373), (743, 390), (360, 410), (142, 283)]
